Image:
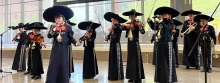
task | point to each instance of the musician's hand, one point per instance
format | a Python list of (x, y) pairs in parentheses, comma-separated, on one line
[(54, 24), (174, 31), (106, 38), (27, 49), (182, 34), (13, 39), (126, 25), (192, 28), (150, 42), (78, 44), (111, 30), (148, 19)]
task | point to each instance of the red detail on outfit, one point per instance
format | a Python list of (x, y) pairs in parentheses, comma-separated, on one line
[(206, 29), (60, 28), (174, 31)]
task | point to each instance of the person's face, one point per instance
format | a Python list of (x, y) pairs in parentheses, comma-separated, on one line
[(114, 21), (191, 16), (59, 20), (36, 31), (21, 29), (166, 15), (203, 22), (132, 17)]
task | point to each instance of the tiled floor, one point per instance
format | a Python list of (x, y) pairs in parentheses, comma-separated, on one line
[(184, 76)]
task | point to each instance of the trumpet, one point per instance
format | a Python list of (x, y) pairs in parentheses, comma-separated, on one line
[(188, 30), (213, 49)]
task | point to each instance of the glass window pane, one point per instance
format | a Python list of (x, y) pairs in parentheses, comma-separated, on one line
[(13, 1), (14, 8), (31, 16), (31, 6)]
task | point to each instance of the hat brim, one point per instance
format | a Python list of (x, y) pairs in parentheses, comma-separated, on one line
[(35, 25), (109, 15), (202, 16), (71, 23), (162, 10), (177, 22), (49, 13), (85, 24), (132, 13), (186, 13)]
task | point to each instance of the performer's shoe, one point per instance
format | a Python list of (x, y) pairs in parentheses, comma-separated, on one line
[(131, 81), (37, 77), (88, 77), (198, 68), (20, 70), (187, 67), (138, 81), (33, 76), (210, 71), (26, 73)]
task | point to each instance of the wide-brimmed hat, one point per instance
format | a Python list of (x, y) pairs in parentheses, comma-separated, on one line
[(177, 22), (70, 23), (85, 24), (203, 16), (109, 15), (49, 13), (169, 10), (35, 25), (132, 12), (191, 11)]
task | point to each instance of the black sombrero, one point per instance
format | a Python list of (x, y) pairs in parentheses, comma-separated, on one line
[(85, 24), (177, 22), (203, 16), (132, 12), (70, 23), (186, 13), (169, 10), (35, 25), (109, 15), (49, 13)]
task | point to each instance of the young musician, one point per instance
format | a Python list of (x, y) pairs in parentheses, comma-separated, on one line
[(35, 42), (115, 69), (191, 60), (205, 39), (90, 66), (19, 62), (135, 69), (62, 34), (165, 71)]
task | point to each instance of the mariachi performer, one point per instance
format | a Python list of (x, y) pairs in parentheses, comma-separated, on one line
[(190, 36), (62, 34), (115, 69), (35, 42), (175, 36), (135, 69), (71, 65), (19, 62), (90, 66), (165, 71), (205, 40)]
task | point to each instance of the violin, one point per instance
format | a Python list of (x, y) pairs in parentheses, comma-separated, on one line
[(16, 36), (132, 24), (38, 38)]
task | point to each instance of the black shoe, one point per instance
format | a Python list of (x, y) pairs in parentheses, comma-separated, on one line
[(37, 77), (138, 81), (26, 73), (88, 77), (187, 67), (198, 68), (33, 76), (20, 70), (132, 81)]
